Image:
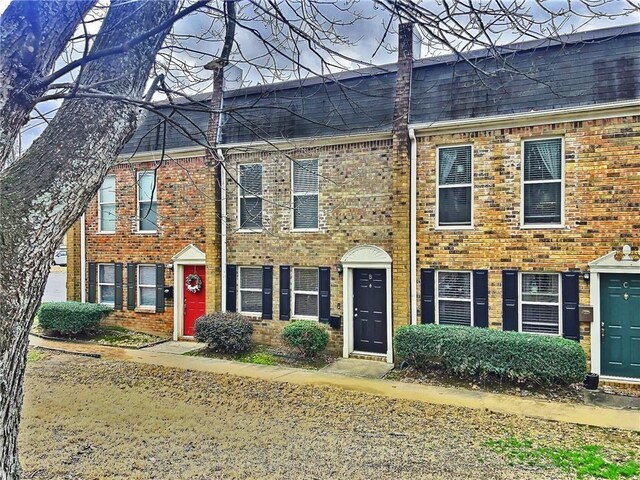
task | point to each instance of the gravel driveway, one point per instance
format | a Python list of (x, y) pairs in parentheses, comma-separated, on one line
[(94, 419)]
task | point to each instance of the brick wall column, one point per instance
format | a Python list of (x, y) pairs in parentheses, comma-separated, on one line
[(213, 213), (213, 237), (400, 175), (73, 262)]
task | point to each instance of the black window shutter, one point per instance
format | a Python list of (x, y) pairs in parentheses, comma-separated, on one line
[(510, 300), (427, 295), (285, 292), (324, 307), (481, 298), (267, 292), (570, 301), (231, 288), (92, 281), (159, 287), (117, 302), (131, 286)]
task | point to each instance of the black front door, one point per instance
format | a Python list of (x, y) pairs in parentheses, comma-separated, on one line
[(370, 310)]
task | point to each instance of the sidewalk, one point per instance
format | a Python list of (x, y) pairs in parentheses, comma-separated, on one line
[(506, 404)]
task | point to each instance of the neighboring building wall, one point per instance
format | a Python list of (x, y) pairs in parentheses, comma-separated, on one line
[(602, 201), (181, 206), (355, 202), (73, 263)]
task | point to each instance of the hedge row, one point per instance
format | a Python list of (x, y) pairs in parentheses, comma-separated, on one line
[(71, 318), (482, 352)]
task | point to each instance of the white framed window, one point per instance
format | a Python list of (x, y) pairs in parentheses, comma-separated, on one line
[(106, 283), (147, 202), (147, 286), (305, 293), (304, 188), (250, 196), (454, 293), (107, 205), (540, 303), (250, 290), (543, 182), (454, 207)]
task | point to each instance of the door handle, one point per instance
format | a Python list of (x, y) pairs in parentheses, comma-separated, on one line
[(602, 331)]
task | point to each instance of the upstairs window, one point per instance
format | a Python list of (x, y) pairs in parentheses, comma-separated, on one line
[(305, 194), (305, 293), (455, 187), (251, 290), (107, 283), (540, 300), (146, 285), (107, 205), (543, 182), (454, 298), (147, 202), (250, 196)]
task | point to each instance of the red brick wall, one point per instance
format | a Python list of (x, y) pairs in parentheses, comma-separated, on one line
[(181, 206)]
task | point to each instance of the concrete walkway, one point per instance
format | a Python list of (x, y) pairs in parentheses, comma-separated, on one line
[(506, 404), (176, 348), (354, 367)]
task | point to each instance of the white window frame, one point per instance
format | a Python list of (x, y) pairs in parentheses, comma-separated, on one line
[(242, 193), (101, 203), (304, 292), (241, 289), (306, 194), (100, 284), (139, 286), (559, 304), (438, 187), (438, 298), (523, 224), (153, 199)]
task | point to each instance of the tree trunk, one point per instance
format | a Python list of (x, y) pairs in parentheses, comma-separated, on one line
[(32, 35), (49, 187)]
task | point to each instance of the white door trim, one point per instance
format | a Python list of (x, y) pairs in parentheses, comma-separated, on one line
[(604, 265), (190, 255), (365, 256)]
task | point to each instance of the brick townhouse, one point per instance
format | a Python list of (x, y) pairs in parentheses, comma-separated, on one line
[(503, 194)]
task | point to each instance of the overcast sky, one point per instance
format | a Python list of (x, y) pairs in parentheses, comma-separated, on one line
[(365, 30)]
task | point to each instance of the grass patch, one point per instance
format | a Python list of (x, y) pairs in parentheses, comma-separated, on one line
[(121, 337), (111, 335), (35, 356), (265, 355), (586, 461)]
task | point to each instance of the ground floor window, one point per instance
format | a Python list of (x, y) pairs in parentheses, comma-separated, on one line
[(250, 290), (454, 298), (540, 303), (107, 283), (305, 293), (146, 285)]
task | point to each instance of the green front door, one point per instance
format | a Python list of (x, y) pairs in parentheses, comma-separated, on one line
[(620, 329)]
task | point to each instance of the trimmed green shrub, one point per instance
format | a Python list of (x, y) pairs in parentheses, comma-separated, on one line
[(482, 352), (307, 336), (225, 332), (71, 318)]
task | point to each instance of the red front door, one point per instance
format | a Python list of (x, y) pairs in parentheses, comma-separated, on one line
[(194, 302)]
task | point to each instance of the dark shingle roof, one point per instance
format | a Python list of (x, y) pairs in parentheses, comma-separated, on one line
[(587, 68)]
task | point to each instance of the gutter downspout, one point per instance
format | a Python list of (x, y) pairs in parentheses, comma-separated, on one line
[(223, 233), (412, 235), (83, 261)]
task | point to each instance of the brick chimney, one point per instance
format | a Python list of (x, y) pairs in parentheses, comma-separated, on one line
[(401, 176)]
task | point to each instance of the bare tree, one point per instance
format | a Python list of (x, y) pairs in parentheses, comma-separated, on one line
[(109, 63)]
